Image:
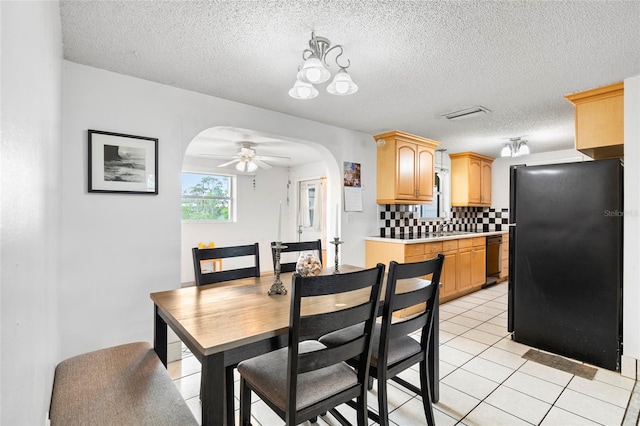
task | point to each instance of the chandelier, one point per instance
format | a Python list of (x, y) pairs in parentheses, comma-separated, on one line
[(314, 72), (515, 148)]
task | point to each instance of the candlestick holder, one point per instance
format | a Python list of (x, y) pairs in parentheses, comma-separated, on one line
[(277, 287), (336, 241)]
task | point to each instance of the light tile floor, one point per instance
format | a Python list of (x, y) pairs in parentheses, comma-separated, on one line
[(483, 379)]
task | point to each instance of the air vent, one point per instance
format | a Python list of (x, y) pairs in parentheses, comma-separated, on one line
[(466, 113)]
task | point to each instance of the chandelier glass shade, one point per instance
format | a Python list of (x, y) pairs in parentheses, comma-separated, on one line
[(302, 90), (342, 84), (514, 148), (314, 71)]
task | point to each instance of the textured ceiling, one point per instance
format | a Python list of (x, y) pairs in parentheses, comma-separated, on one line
[(413, 60)]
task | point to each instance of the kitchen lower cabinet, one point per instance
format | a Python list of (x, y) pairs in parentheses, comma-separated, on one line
[(464, 269), (448, 275), (463, 275), (479, 265), (472, 264)]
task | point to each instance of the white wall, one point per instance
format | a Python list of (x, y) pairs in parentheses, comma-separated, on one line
[(501, 166), (631, 290), (117, 249), (31, 84)]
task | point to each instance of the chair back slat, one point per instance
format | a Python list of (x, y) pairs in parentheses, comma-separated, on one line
[(199, 255), (295, 247), (311, 361), (411, 298), (322, 285), (408, 326), (314, 326), (416, 269)]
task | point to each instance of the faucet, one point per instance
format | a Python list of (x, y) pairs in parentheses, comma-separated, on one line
[(444, 225)]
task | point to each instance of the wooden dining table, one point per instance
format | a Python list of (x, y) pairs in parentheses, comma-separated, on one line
[(225, 323)]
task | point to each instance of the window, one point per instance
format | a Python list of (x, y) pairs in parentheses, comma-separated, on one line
[(207, 197), (439, 207), (310, 202)]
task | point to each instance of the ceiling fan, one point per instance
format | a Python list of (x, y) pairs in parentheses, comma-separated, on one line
[(246, 159)]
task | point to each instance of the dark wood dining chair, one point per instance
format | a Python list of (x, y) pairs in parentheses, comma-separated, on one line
[(307, 379), (199, 255), (393, 349), (203, 278), (295, 247)]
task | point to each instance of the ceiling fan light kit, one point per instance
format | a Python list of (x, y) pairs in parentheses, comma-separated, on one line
[(515, 148), (247, 166), (247, 160), (313, 71)]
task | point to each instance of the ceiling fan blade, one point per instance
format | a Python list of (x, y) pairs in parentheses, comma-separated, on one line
[(262, 164), (206, 154), (228, 163), (270, 158)]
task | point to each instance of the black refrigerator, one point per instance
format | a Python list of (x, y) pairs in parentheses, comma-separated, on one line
[(565, 259)]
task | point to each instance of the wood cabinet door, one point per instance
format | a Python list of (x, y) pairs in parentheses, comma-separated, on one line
[(485, 179), (406, 156), (425, 173), (448, 274), (478, 266), (600, 122), (475, 181), (504, 266), (463, 278)]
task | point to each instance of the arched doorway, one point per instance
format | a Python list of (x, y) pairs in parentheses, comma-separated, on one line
[(258, 192)]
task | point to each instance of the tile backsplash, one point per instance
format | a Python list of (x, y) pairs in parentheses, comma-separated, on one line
[(400, 219)]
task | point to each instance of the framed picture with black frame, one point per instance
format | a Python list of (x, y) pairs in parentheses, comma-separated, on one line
[(122, 163)]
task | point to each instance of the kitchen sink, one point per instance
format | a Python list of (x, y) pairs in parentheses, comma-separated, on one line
[(446, 234)]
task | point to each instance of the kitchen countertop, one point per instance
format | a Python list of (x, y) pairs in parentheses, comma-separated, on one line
[(427, 238)]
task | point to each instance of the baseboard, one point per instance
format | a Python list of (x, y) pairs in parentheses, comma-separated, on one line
[(629, 367), (174, 351)]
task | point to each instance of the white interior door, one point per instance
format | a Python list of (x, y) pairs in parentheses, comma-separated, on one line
[(312, 211)]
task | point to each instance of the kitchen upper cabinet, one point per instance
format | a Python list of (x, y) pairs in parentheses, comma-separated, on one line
[(405, 172), (600, 121), (470, 179)]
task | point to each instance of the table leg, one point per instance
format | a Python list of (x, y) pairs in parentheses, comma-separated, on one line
[(434, 354), (160, 336), (214, 407)]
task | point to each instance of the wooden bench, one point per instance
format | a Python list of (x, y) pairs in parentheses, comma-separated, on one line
[(121, 385)]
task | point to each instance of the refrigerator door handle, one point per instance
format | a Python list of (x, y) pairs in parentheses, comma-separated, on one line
[(512, 278)]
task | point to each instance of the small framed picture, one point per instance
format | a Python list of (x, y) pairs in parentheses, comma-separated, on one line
[(122, 163)]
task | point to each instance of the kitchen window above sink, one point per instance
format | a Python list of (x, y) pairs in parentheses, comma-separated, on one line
[(440, 207)]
